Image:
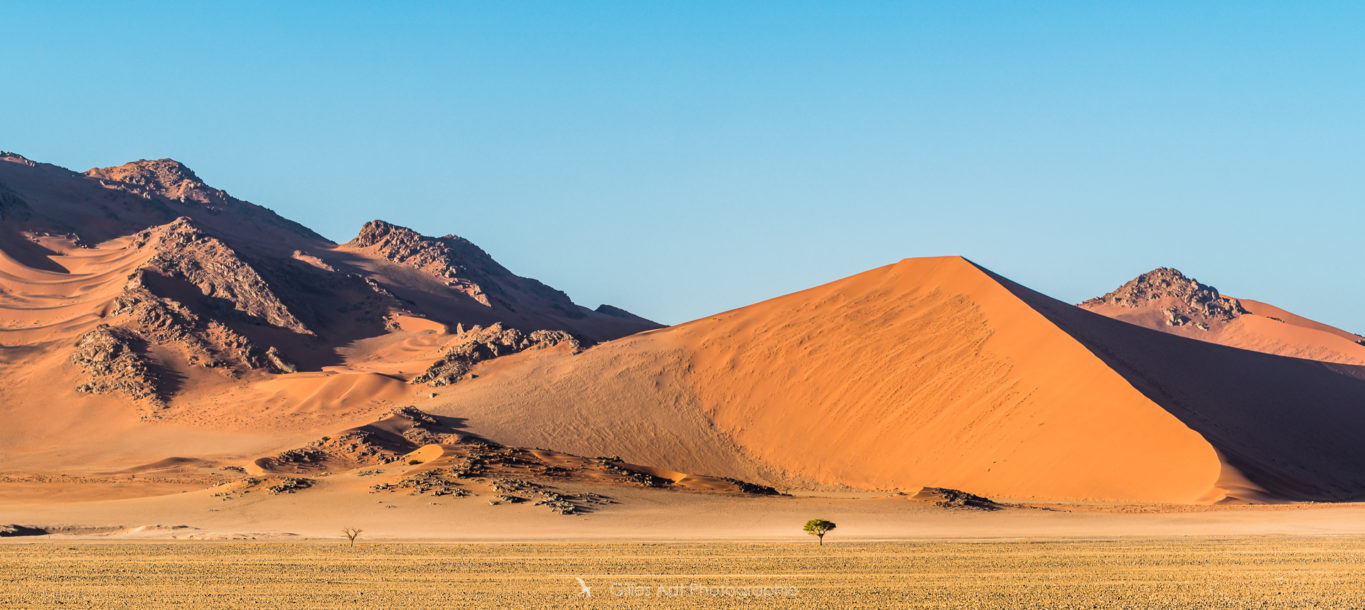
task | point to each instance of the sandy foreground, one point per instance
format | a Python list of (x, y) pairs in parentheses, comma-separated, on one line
[(1211, 572)]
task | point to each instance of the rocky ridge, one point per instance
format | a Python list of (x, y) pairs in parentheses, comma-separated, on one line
[(227, 285), (184, 252), (172, 181), (461, 266), (114, 360), (186, 295)]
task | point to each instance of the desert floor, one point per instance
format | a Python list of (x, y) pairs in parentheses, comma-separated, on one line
[(658, 547), (633, 514), (630, 514), (1246, 571)]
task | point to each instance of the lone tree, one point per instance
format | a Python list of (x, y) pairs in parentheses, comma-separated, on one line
[(818, 528), (351, 534)]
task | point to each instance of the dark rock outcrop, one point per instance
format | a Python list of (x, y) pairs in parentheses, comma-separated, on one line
[(115, 361), (953, 498), (191, 292), (184, 252), (479, 344), (463, 267), (400, 431), (206, 343), (485, 291), (15, 530), (456, 261)]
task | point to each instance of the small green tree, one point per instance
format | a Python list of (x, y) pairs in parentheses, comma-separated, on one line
[(818, 528), (351, 534)]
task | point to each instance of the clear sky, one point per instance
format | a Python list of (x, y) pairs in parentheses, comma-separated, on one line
[(682, 158)]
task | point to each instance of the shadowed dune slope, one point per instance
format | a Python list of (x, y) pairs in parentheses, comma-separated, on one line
[(925, 372), (1292, 426)]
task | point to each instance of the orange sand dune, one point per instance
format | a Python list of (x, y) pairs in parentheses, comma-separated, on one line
[(926, 372), (1272, 330), (936, 372)]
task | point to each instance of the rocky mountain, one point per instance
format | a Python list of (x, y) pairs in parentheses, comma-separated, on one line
[(148, 279), (1181, 300)]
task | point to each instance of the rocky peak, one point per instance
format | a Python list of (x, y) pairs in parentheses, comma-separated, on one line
[(165, 177), (401, 244), (1182, 299), (176, 233), (183, 252), (617, 312), (377, 232), (9, 157), (454, 260), (169, 181)]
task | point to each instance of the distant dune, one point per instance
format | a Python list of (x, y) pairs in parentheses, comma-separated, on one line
[(1165, 299)]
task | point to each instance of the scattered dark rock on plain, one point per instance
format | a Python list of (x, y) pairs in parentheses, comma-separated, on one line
[(954, 498), (14, 530)]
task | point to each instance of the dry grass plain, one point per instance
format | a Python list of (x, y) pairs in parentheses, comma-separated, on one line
[(1246, 572)]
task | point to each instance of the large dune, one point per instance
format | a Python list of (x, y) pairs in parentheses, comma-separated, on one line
[(937, 372)]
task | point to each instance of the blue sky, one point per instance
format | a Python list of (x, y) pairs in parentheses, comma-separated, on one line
[(678, 159)]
